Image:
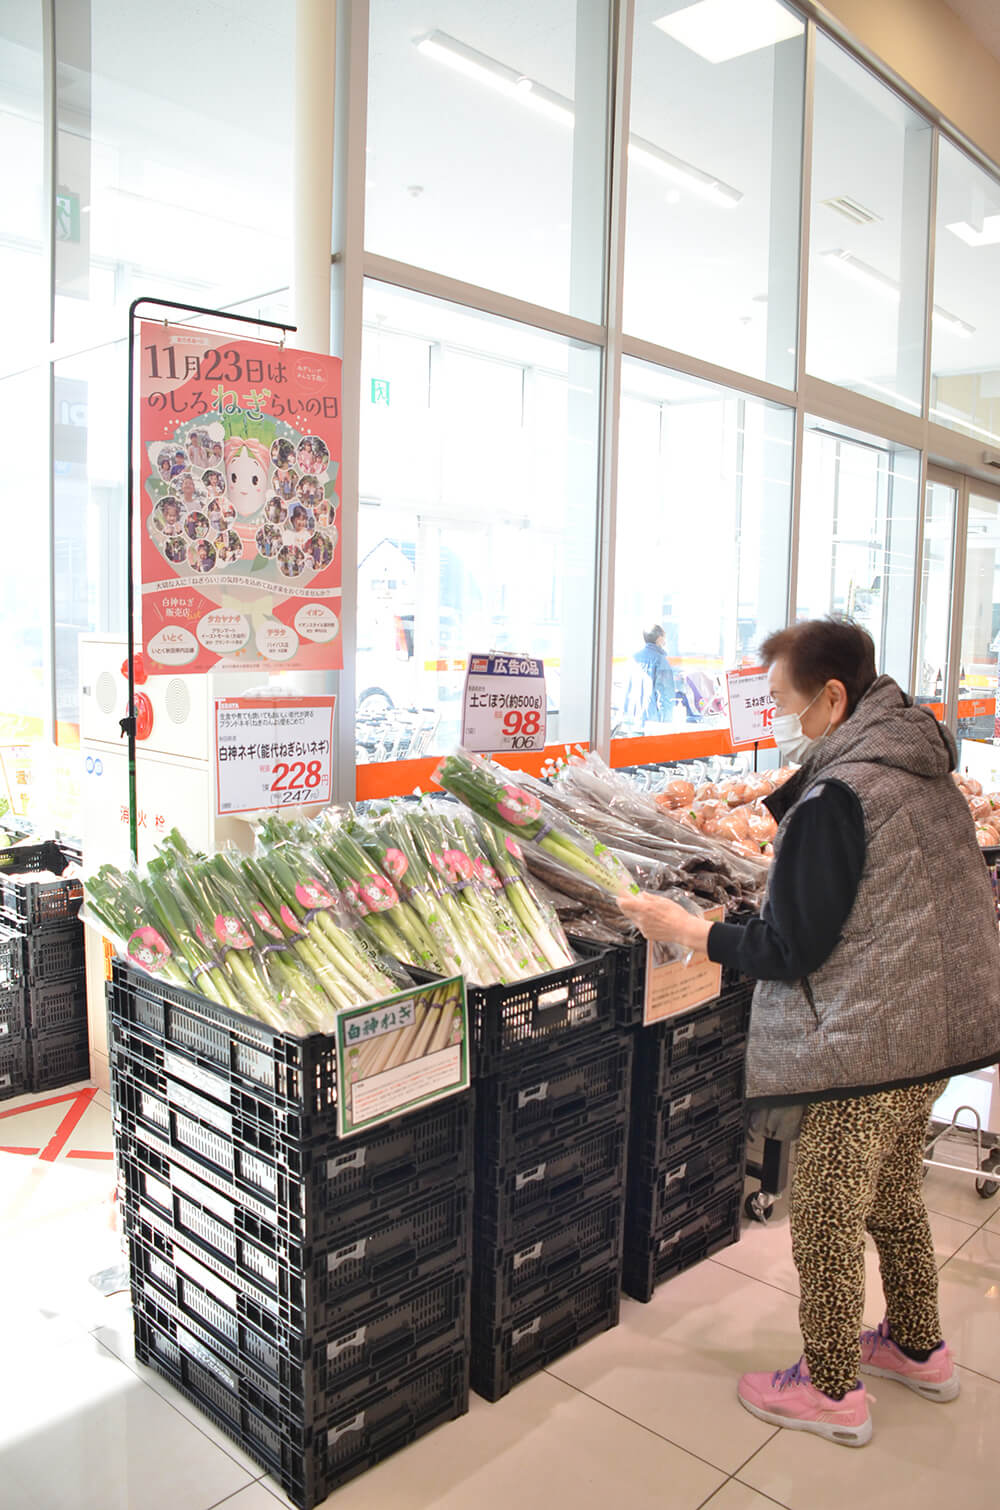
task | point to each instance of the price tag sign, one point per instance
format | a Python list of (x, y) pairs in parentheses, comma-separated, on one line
[(504, 704), (272, 752), (397, 1055), (673, 987), (750, 707)]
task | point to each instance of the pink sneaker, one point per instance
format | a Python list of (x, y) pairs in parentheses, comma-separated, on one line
[(789, 1398), (935, 1380)]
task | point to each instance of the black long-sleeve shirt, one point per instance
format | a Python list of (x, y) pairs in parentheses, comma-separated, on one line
[(813, 887)]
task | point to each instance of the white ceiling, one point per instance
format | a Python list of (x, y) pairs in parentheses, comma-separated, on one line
[(982, 17)]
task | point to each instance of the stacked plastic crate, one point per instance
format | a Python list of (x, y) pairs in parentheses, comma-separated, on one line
[(43, 1003), (552, 1102), (310, 1296), (687, 1147)]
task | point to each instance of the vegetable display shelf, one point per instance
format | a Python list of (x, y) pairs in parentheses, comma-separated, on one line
[(59, 1058), (695, 1236), (504, 1356), (508, 1278), (27, 905), (42, 956), (13, 1067)]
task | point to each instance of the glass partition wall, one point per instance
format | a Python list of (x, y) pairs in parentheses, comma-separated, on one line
[(653, 315)]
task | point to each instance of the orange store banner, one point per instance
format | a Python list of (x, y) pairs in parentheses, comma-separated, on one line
[(238, 504)]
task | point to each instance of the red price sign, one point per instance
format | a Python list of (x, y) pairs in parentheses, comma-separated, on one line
[(516, 722), (750, 707), (272, 752), (504, 705)]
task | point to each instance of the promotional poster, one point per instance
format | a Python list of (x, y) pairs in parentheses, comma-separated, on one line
[(238, 505)]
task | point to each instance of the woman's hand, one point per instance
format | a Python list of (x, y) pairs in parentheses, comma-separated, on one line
[(664, 922)]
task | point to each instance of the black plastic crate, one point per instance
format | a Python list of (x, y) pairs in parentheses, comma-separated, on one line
[(657, 1200), (304, 1374), (44, 955), (689, 1046), (665, 1126), (26, 905), (562, 1006), (507, 1278), (60, 1058), (14, 1013), (57, 1007), (285, 1285), (313, 1191), (353, 1438), (630, 979), (14, 1062), (504, 1356), (716, 1225), (552, 1096), (512, 1201)]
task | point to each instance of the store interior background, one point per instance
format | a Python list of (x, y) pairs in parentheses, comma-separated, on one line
[(631, 335)]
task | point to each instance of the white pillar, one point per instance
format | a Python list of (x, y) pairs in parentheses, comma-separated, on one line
[(312, 204)]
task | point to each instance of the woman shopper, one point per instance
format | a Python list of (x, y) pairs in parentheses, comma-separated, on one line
[(878, 968)]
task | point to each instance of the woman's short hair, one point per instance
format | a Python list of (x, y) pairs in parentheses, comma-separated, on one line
[(651, 636), (818, 651)]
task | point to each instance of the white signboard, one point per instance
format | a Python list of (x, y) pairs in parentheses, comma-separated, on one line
[(272, 752), (504, 704), (750, 707)]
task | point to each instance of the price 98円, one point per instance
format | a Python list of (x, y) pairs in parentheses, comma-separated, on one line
[(522, 728)]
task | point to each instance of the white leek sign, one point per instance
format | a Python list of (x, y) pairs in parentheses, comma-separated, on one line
[(272, 752), (750, 707), (398, 1055), (504, 704)]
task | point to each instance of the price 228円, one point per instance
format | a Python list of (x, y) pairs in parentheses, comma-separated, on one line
[(296, 782)]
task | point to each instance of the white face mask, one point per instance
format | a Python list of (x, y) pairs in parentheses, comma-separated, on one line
[(793, 744)]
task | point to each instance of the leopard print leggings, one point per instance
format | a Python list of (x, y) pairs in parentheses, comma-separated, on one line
[(859, 1166)]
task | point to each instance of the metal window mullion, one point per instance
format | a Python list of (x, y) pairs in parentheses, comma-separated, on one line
[(607, 511), (805, 225), (916, 623), (959, 558), (350, 131), (49, 180)]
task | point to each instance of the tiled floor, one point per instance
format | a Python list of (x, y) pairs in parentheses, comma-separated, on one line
[(645, 1416)]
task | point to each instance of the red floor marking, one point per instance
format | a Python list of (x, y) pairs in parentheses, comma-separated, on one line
[(34, 1106), (31, 1151), (86, 1153), (65, 1130)]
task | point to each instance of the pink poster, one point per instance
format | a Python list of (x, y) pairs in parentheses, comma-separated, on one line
[(239, 513)]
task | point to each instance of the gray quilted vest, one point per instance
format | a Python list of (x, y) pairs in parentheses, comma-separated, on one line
[(912, 989)]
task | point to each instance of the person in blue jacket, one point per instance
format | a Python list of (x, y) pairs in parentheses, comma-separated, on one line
[(650, 697)]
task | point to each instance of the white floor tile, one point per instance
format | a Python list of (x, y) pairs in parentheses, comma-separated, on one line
[(765, 1253), (255, 1497), (922, 1456), (80, 1432), (954, 1194), (544, 1444), (970, 1303), (737, 1496), (673, 1364)]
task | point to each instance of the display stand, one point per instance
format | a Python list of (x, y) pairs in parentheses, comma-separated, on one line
[(128, 723)]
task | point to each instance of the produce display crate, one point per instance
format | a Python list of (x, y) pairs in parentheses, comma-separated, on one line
[(509, 1023), (306, 1376), (27, 905), (45, 955), (695, 1044), (504, 1356), (14, 1067), (310, 1191), (664, 1127), (651, 1260), (664, 1196), (311, 1463), (552, 1096), (281, 1285), (59, 1058), (630, 977), (13, 1012), (514, 1199), (507, 1279), (56, 1007)]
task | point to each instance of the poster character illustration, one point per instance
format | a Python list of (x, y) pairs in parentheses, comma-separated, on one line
[(237, 490)]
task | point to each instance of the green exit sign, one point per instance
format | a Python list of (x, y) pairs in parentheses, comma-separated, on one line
[(380, 391)]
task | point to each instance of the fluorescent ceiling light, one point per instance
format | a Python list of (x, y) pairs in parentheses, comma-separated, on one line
[(722, 29), (862, 272), (497, 76), (988, 236), (534, 96)]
